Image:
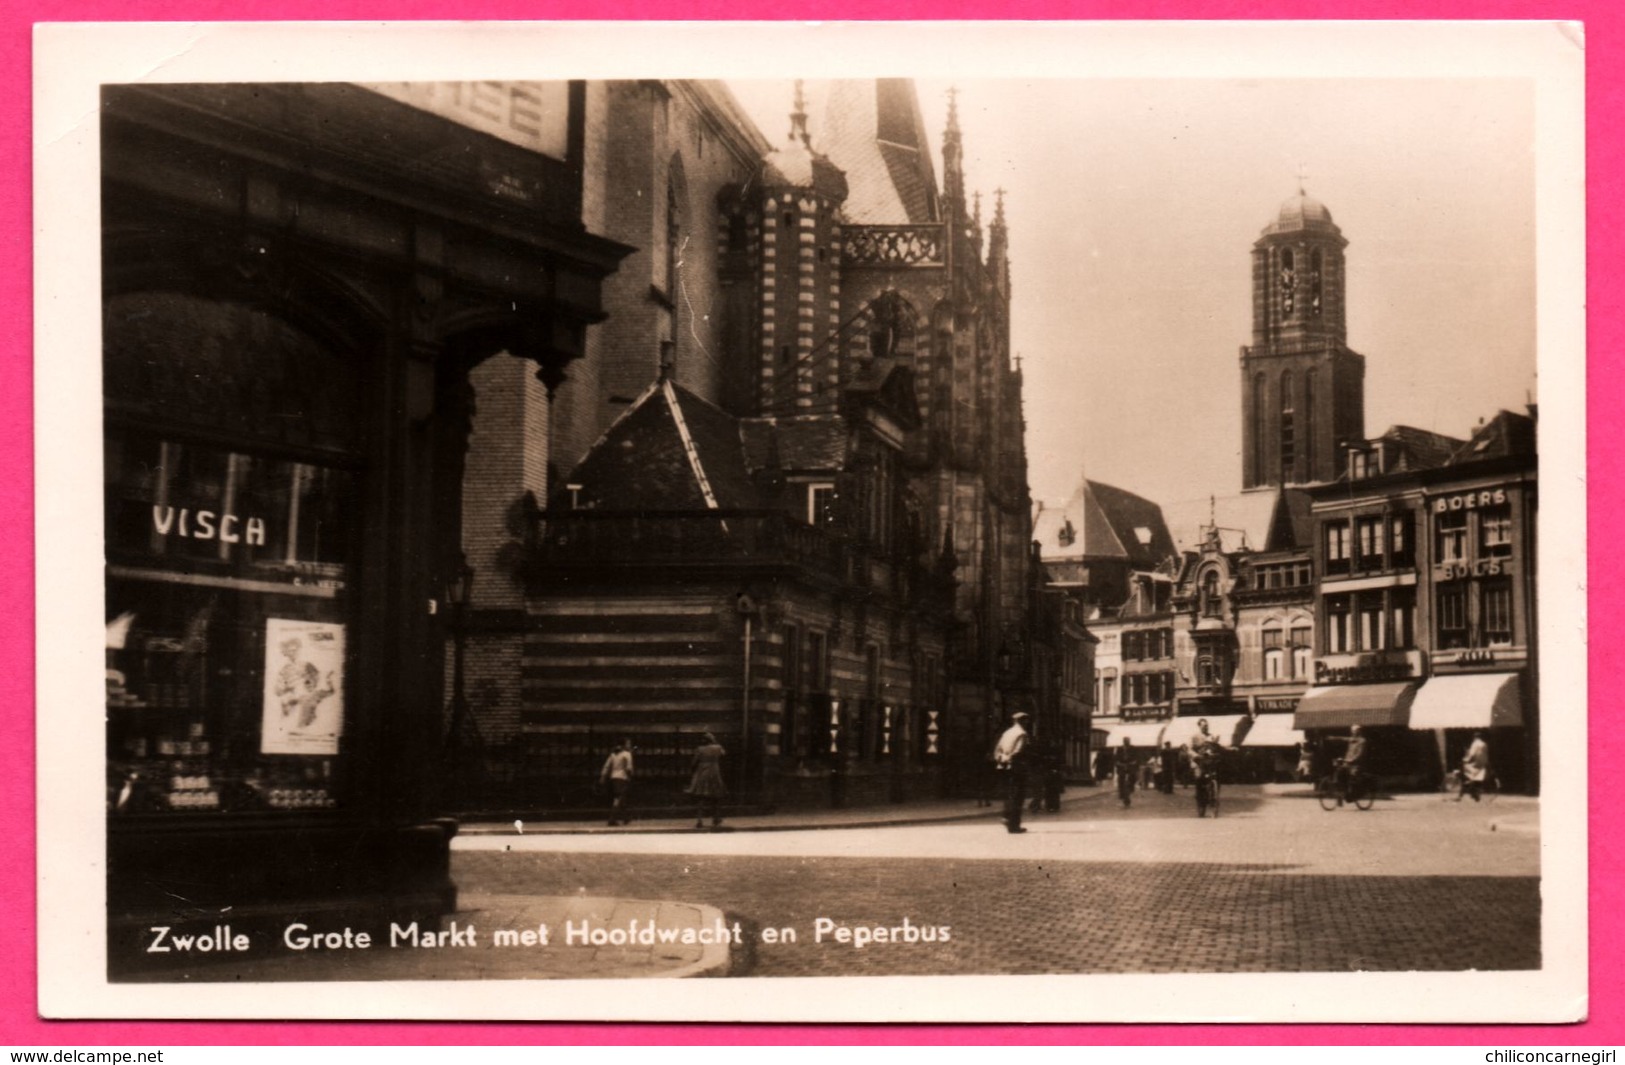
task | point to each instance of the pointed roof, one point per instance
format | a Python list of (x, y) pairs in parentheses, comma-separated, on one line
[(1410, 448), (1504, 436), (670, 450), (795, 164), (1103, 522), (871, 128)]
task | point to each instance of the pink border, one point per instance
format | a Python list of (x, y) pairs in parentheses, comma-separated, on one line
[(19, 1024)]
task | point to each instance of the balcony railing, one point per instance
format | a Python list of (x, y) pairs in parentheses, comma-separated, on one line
[(919, 245), (675, 538)]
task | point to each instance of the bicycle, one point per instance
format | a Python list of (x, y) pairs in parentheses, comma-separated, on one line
[(1207, 794), (1455, 786), (1337, 788), (1125, 789)]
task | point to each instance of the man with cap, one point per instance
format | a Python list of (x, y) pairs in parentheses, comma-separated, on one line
[(1010, 764)]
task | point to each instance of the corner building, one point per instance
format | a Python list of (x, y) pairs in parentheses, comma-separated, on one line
[(298, 283)]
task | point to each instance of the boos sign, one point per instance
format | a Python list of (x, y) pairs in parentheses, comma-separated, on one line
[(1368, 668)]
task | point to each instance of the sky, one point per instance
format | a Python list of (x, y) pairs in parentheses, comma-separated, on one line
[(1133, 205)]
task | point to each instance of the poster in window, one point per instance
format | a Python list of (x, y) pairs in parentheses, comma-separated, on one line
[(304, 687)]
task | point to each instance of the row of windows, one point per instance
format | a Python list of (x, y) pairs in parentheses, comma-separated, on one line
[(1141, 645), (1481, 620), (1287, 653), (1283, 575), (1452, 535), (1387, 541), (1371, 621), (1370, 542)]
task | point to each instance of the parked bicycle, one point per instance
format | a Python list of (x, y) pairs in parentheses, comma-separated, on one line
[(1343, 786)]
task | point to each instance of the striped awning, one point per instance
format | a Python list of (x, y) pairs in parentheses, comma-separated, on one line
[(1139, 733), (1471, 700), (1272, 730), (1343, 705)]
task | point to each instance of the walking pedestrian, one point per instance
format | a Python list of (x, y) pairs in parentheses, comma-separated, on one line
[(706, 785), (1127, 770), (1306, 762), (617, 777), (1167, 766), (1475, 767), (1010, 762)]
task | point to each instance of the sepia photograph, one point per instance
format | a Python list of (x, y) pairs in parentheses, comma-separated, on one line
[(1050, 530)]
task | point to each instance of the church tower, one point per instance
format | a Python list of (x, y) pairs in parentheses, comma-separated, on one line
[(1303, 390)]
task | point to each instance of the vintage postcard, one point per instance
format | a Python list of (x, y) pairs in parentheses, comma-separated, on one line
[(934, 522)]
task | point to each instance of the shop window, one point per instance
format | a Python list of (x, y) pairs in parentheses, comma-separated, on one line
[(1497, 600), (1451, 537), (1495, 533), (1452, 609), (1338, 625), (227, 608)]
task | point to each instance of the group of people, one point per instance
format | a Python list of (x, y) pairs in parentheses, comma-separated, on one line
[(1160, 768), (705, 785)]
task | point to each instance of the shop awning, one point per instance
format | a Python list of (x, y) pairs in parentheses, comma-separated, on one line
[(1342, 705), (1222, 726), (1139, 733), (1272, 730), (1471, 700)]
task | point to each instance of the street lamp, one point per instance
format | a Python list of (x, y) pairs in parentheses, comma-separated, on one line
[(458, 591)]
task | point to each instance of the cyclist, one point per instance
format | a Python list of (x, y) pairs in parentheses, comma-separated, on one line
[(1351, 767), (1204, 755)]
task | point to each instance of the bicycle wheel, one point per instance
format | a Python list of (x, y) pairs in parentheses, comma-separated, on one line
[(1201, 798), (1363, 795), (1327, 792), (1213, 797)]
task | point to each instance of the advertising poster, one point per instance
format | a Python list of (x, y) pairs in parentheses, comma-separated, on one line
[(304, 687)]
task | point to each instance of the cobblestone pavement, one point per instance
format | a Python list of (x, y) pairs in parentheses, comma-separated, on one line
[(1276, 884)]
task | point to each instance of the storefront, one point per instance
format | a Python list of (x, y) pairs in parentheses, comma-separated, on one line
[(292, 302), (1382, 709)]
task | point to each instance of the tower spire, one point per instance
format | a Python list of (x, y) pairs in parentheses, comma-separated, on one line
[(998, 245), (798, 116), (953, 155)]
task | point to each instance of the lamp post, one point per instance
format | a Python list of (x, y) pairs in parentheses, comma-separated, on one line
[(458, 591)]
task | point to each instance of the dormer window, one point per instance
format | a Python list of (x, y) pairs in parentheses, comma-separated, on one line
[(1212, 601), (1068, 535)]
